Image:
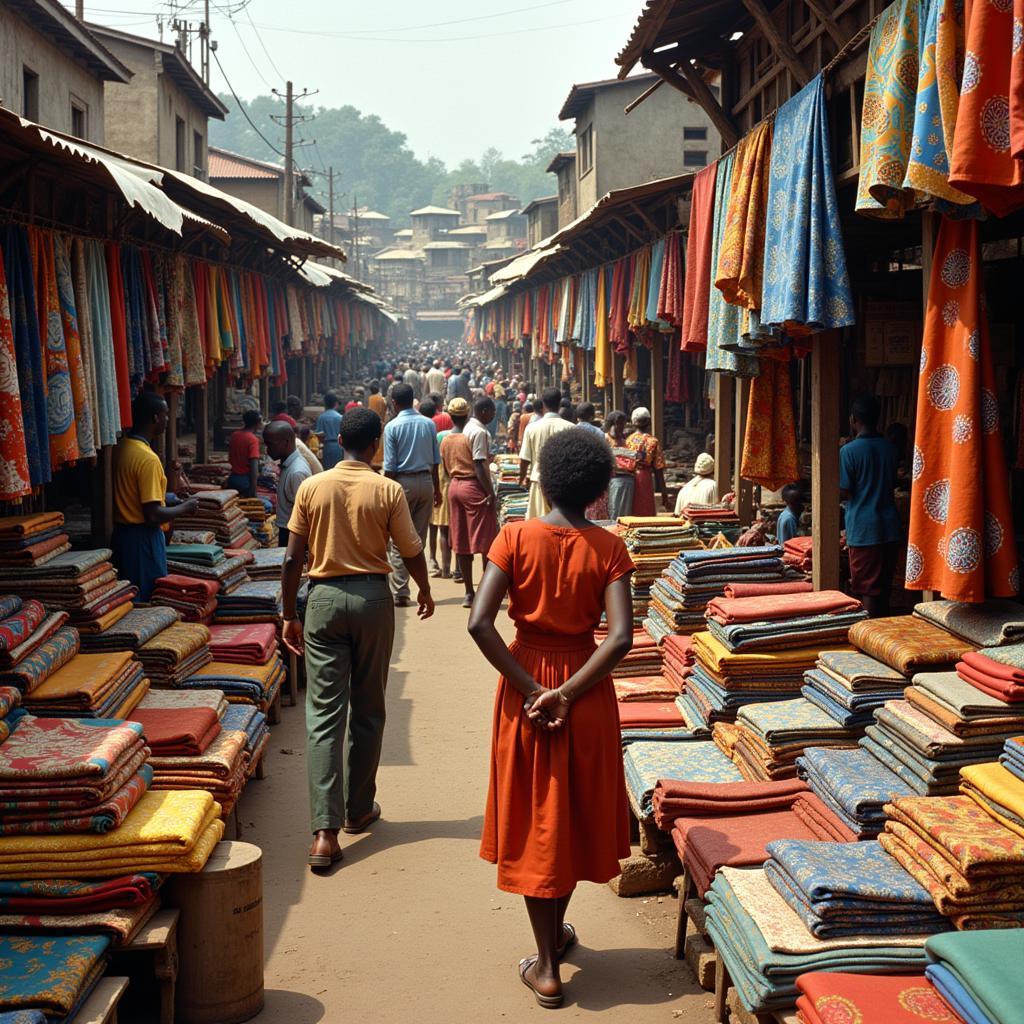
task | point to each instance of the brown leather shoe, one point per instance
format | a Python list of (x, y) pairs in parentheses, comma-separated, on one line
[(324, 852), (353, 828)]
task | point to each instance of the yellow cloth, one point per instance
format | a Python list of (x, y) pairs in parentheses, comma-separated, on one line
[(88, 675), (602, 348), (132, 701), (709, 650), (347, 515), (639, 522), (16, 527), (105, 621), (991, 783), (138, 480)]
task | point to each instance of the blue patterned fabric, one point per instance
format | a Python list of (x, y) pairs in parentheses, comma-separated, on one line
[(585, 327), (796, 632), (789, 721), (690, 761), (852, 700), (923, 777), (1012, 758), (843, 716), (654, 284), (952, 989), (23, 1017), (723, 699), (860, 670), (806, 287), (48, 972)]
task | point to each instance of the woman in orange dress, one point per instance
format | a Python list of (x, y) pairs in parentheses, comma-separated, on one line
[(556, 809), (650, 465)]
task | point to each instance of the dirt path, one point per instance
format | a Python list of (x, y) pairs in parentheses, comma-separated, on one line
[(411, 927)]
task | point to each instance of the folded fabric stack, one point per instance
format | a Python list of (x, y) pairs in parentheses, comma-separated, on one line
[(229, 573), (252, 601), (971, 864), (850, 889), (259, 514), (49, 648), (209, 473), (894, 999), (908, 643), (219, 511), (253, 722), (765, 945), (181, 537), (507, 467), (178, 731), (644, 689), (1012, 757), (24, 629), (997, 791), (799, 554), (176, 653), (512, 506), (849, 686), (49, 977), (923, 753), (138, 627), (32, 540), (266, 564), (250, 644), (653, 543), (195, 599), (644, 658), (853, 784), (10, 711), (650, 714), (220, 769), (166, 832), (770, 737), (104, 685), (195, 554), (712, 520), (778, 621), (964, 710), (992, 624), (674, 799), (997, 671), (978, 974), (682, 759), (242, 684), (677, 660), (60, 775)]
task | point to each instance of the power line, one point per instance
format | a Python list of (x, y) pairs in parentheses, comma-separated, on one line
[(245, 50), (256, 32), (241, 106), (462, 21)]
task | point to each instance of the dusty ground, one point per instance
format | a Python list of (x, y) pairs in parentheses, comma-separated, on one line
[(410, 927)]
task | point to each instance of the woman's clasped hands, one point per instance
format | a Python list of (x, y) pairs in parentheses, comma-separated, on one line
[(547, 709)]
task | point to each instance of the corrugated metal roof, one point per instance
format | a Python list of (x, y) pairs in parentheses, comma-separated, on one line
[(399, 254), (223, 164)]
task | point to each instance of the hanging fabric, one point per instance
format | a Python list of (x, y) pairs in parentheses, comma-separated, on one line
[(585, 302), (602, 346), (637, 317), (654, 285), (14, 472), (1017, 83), (694, 332), (670, 288), (961, 527), (806, 288), (95, 257), (83, 405), (119, 332), (769, 445), (80, 292)]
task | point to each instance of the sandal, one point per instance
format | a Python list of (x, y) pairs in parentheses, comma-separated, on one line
[(548, 1002), (570, 940)]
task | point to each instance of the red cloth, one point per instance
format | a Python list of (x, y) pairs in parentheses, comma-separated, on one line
[(249, 644), (243, 446), (177, 732), (28, 554), (647, 714), (14, 631), (1017, 88), (674, 799), (833, 996), (472, 525), (115, 287), (283, 417), (780, 606), (984, 665), (680, 648), (443, 422), (1007, 688), (697, 283), (670, 287), (739, 590), (187, 587)]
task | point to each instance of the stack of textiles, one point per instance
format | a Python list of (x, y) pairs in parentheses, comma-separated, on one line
[(157, 700), (62, 775), (252, 601), (765, 946), (512, 506), (971, 864), (242, 684), (176, 653), (183, 537), (997, 671), (25, 628), (507, 467), (165, 832), (907, 643), (218, 769), (266, 564), (1012, 757), (778, 621), (712, 520), (47, 978), (229, 573), (207, 555), (644, 658), (849, 686), (653, 543), (130, 633), (683, 758), (10, 713), (48, 648), (799, 554), (677, 660), (892, 999), (997, 791), (732, 825), (992, 624), (181, 730), (643, 689), (650, 714), (219, 511), (109, 684), (259, 513), (251, 644), (195, 599), (924, 754), (966, 711), (681, 595), (32, 540), (211, 473), (853, 784), (770, 737), (850, 889), (978, 974), (253, 722)]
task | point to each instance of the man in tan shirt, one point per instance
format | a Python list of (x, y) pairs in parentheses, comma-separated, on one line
[(344, 519), (536, 436)]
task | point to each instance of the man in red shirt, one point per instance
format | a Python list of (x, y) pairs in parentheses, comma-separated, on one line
[(281, 415), (244, 455)]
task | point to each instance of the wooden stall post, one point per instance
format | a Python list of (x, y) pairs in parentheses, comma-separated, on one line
[(743, 489), (586, 371), (617, 391), (103, 497), (825, 459), (171, 448), (264, 386), (658, 389), (725, 394), (203, 424)]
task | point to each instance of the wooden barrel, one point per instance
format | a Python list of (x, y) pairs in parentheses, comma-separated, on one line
[(220, 937)]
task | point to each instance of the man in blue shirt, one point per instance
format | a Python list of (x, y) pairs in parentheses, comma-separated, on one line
[(411, 456), (788, 524), (867, 478)]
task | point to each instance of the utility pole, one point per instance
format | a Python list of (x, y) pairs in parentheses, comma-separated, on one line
[(330, 202), (355, 234), (289, 121), (80, 10)]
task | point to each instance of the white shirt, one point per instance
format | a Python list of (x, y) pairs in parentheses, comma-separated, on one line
[(311, 460), (701, 490), (537, 435), (437, 383), (479, 439)]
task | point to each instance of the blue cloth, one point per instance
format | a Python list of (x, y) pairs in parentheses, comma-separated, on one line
[(806, 286), (867, 471), (654, 284), (328, 423), (410, 443), (330, 454), (140, 554), (592, 428), (242, 483), (854, 779), (950, 988), (458, 387), (787, 527)]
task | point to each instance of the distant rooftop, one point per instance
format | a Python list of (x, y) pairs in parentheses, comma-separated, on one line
[(399, 254), (503, 215), (225, 164), (581, 94), (541, 201), (447, 245), (469, 229), (491, 196), (559, 160), (403, 233), (435, 210)]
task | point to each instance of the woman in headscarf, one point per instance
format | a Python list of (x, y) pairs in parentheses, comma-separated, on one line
[(702, 489), (650, 464)]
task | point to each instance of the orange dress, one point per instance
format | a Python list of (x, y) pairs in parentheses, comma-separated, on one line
[(556, 808)]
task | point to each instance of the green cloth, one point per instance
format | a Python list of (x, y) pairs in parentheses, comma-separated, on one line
[(349, 632), (962, 699), (988, 964)]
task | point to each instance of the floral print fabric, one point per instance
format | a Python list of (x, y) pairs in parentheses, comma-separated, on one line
[(769, 445)]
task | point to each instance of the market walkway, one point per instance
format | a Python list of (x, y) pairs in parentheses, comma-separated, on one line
[(411, 926)]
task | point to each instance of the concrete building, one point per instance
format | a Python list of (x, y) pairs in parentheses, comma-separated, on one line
[(53, 69), (162, 114), (541, 219), (506, 234), (667, 134), (431, 224), (263, 185), (481, 206), (459, 194), (563, 166), (400, 274)]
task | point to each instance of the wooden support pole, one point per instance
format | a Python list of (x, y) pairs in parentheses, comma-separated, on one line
[(822, 14), (781, 45), (203, 424), (825, 458), (103, 497), (743, 489), (171, 447), (618, 395), (724, 426), (658, 389), (685, 77), (929, 235)]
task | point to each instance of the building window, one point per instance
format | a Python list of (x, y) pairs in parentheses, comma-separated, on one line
[(585, 149), (79, 118), (180, 158), (198, 156), (29, 94), (695, 134), (695, 158)]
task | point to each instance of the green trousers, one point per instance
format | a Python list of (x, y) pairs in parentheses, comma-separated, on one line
[(349, 632)]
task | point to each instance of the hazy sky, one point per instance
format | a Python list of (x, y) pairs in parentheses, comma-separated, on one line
[(456, 76)]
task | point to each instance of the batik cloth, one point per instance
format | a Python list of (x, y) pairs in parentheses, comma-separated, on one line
[(14, 473), (16, 629), (50, 972), (73, 343), (828, 997), (697, 282), (961, 528), (991, 624), (806, 287), (907, 644), (769, 445)]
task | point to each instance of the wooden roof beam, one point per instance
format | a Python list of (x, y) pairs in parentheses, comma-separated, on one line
[(821, 12), (766, 23), (643, 216), (684, 77)]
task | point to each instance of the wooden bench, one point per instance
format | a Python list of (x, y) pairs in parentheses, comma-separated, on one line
[(101, 1006), (158, 940)]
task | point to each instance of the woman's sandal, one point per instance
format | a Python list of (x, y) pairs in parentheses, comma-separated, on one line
[(570, 941), (548, 1002)]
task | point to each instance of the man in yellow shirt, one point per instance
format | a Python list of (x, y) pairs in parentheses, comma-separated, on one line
[(344, 518), (379, 404), (140, 494)]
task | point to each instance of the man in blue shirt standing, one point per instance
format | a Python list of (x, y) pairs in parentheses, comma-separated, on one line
[(867, 478), (411, 456)]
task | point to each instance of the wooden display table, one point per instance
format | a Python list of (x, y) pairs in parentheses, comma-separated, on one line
[(157, 941), (101, 1006)]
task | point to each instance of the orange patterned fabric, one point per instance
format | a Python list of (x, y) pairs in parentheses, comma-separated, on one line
[(837, 998), (769, 447), (961, 528)]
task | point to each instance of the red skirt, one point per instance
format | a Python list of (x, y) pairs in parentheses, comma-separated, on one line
[(643, 493), (556, 808), (472, 526)]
